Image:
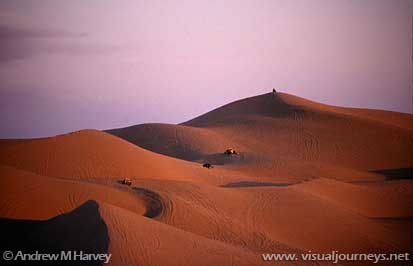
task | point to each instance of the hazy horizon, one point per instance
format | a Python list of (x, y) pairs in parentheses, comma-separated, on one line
[(66, 66)]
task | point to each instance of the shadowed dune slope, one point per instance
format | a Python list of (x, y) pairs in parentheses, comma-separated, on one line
[(185, 142), (81, 229)]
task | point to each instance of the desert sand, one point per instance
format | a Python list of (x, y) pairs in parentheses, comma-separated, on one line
[(307, 176)]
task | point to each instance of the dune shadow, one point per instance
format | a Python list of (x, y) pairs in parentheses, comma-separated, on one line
[(395, 174), (395, 219), (240, 158), (150, 136), (154, 202), (81, 230), (255, 184), (222, 159)]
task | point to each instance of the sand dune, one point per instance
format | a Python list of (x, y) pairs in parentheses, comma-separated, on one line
[(185, 142), (90, 154), (31, 196), (286, 135), (308, 176)]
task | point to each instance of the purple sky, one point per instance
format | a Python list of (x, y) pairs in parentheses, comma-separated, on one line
[(68, 65)]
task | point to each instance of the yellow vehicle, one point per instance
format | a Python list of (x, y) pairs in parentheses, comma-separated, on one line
[(126, 181), (230, 152)]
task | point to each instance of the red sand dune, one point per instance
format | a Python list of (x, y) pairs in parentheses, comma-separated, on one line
[(308, 176)]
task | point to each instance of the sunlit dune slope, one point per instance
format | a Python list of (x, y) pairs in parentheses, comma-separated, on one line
[(90, 154), (35, 197)]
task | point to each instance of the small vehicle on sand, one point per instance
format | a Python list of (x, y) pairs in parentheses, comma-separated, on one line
[(126, 181), (230, 152)]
